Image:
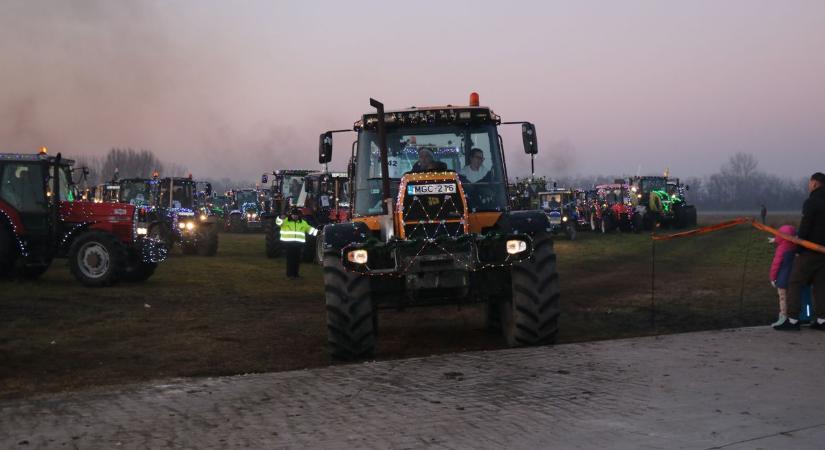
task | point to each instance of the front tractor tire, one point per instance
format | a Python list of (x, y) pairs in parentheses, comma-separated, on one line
[(531, 315), (138, 271), (208, 245), (236, 224), (96, 259), (350, 311)]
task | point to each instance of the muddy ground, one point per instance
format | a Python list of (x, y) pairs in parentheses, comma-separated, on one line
[(236, 313)]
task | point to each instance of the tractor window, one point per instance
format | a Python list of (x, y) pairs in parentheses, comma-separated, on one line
[(23, 186), (138, 193), (64, 184), (551, 201), (293, 188), (432, 148), (181, 194)]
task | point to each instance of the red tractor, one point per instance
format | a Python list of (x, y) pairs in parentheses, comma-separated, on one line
[(613, 209), (40, 220)]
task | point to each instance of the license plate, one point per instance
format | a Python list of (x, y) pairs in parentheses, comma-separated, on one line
[(555, 221), (431, 189)]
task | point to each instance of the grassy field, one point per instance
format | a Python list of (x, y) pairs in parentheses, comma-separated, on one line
[(237, 313)]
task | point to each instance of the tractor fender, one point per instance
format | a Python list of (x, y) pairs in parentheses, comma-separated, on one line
[(524, 222), (339, 235), (68, 237), (12, 218), (235, 212)]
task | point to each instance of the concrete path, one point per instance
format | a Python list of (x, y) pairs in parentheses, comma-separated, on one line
[(733, 389)]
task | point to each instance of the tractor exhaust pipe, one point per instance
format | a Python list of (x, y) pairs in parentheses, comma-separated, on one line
[(382, 143)]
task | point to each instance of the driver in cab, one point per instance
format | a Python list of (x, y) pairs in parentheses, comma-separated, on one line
[(426, 162)]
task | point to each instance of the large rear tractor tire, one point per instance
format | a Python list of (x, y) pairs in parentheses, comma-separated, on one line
[(686, 217), (97, 259), (8, 251), (594, 225), (319, 248), (531, 316), (350, 312)]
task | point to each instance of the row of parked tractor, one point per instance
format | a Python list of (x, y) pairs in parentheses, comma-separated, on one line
[(635, 204), (188, 213), (425, 215)]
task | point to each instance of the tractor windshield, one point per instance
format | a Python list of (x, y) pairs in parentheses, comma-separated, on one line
[(292, 187), (471, 151), (244, 197), (549, 201), (22, 186), (136, 192), (181, 194), (649, 184)]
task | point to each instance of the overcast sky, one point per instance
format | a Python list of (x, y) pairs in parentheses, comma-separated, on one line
[(236, 88)]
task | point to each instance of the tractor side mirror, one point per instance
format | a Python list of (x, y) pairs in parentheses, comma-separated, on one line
[(325, 148), (687, 187), (208, 189), (528, 136), (264, 179)]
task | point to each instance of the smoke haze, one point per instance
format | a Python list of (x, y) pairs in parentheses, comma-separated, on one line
[(235, 89)]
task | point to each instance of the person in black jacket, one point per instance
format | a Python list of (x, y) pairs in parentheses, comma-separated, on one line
[(809, 265)]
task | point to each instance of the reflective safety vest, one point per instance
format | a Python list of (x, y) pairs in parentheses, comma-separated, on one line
[(295, 231)]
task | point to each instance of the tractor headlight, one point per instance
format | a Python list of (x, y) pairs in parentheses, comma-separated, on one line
[(203, 217), (357, 256), (638, 195), (564, 219), (254, 215), (142, 231), (633, 189), (190, 226), (516, 246), (181, 225)]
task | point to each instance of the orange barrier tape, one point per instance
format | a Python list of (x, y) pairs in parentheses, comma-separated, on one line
[(801, 242), (702, 230)]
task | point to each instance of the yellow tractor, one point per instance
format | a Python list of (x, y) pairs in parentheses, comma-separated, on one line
[(431, 225)]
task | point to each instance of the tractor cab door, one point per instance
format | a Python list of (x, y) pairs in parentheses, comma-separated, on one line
[(23, 186)]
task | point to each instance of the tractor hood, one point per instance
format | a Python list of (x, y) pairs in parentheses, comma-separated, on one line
[(79, 212)]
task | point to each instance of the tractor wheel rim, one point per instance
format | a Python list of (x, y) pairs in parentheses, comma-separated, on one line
[(93, 260)]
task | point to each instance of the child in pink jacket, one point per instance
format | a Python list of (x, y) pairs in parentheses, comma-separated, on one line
[(781, 268)]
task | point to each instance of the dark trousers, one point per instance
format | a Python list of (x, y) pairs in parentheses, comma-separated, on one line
[(808, 268), (293, 257)]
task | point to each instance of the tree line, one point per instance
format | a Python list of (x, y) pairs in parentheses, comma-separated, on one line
[(126, 163)]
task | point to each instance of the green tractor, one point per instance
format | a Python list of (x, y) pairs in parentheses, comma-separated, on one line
[(661, 202)]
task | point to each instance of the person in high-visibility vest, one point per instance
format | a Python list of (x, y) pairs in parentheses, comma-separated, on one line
[(294, 232)]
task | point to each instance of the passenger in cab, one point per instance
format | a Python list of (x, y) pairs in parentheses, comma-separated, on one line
[(475, 171)]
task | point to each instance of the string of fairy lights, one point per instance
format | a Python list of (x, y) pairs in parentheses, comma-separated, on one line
[(436, 238)]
